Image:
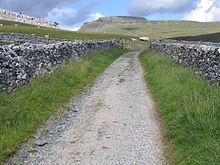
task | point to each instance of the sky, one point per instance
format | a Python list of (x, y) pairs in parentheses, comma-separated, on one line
[(71, 14)]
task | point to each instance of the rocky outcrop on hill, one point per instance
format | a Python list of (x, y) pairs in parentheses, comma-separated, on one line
[(122, 18), (204, 58), (20, 64), (19, 17)]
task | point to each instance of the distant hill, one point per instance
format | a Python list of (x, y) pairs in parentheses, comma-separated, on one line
[(22, 18), (112, 24), (139, 26)]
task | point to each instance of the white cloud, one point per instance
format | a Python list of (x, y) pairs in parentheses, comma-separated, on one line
[(147, 7), (61, 12), (95, 16), (205, 11), (70, 17), (71, 28), (75, 29), (92, 17), (37, 8), (81, 15)]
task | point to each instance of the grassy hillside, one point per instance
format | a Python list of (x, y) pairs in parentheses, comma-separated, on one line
[(214, 37), (153, 29), (190, 108), (9, 26)]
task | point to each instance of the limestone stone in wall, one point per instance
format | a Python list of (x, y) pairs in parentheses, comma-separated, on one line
[(203, 58), (19, 64)]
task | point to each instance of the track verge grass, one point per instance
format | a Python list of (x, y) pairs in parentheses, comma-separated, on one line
[(189, 106), (23, 111)]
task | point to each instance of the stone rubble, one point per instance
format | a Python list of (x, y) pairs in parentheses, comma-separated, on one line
[(202, 57)]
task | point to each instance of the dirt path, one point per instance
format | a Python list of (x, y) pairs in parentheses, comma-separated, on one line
[(113, 123)]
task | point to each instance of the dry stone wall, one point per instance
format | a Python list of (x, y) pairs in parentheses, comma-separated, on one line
[(22, 38), (202, 57), (19, 64)]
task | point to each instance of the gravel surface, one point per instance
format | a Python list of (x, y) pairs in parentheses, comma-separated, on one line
[(112, 123)]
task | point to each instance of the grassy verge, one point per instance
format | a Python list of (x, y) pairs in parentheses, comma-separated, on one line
[(190, 107), (23, 111)]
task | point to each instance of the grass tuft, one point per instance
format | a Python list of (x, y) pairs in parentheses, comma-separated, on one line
[(23, 111), (190, 107)]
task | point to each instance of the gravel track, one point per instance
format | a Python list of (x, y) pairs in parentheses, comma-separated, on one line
[(114, 122)]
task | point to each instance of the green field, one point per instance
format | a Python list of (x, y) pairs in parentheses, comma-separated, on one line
[(189, 107), (153, 29), (214, 37), (10, 27), (22, 111)]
